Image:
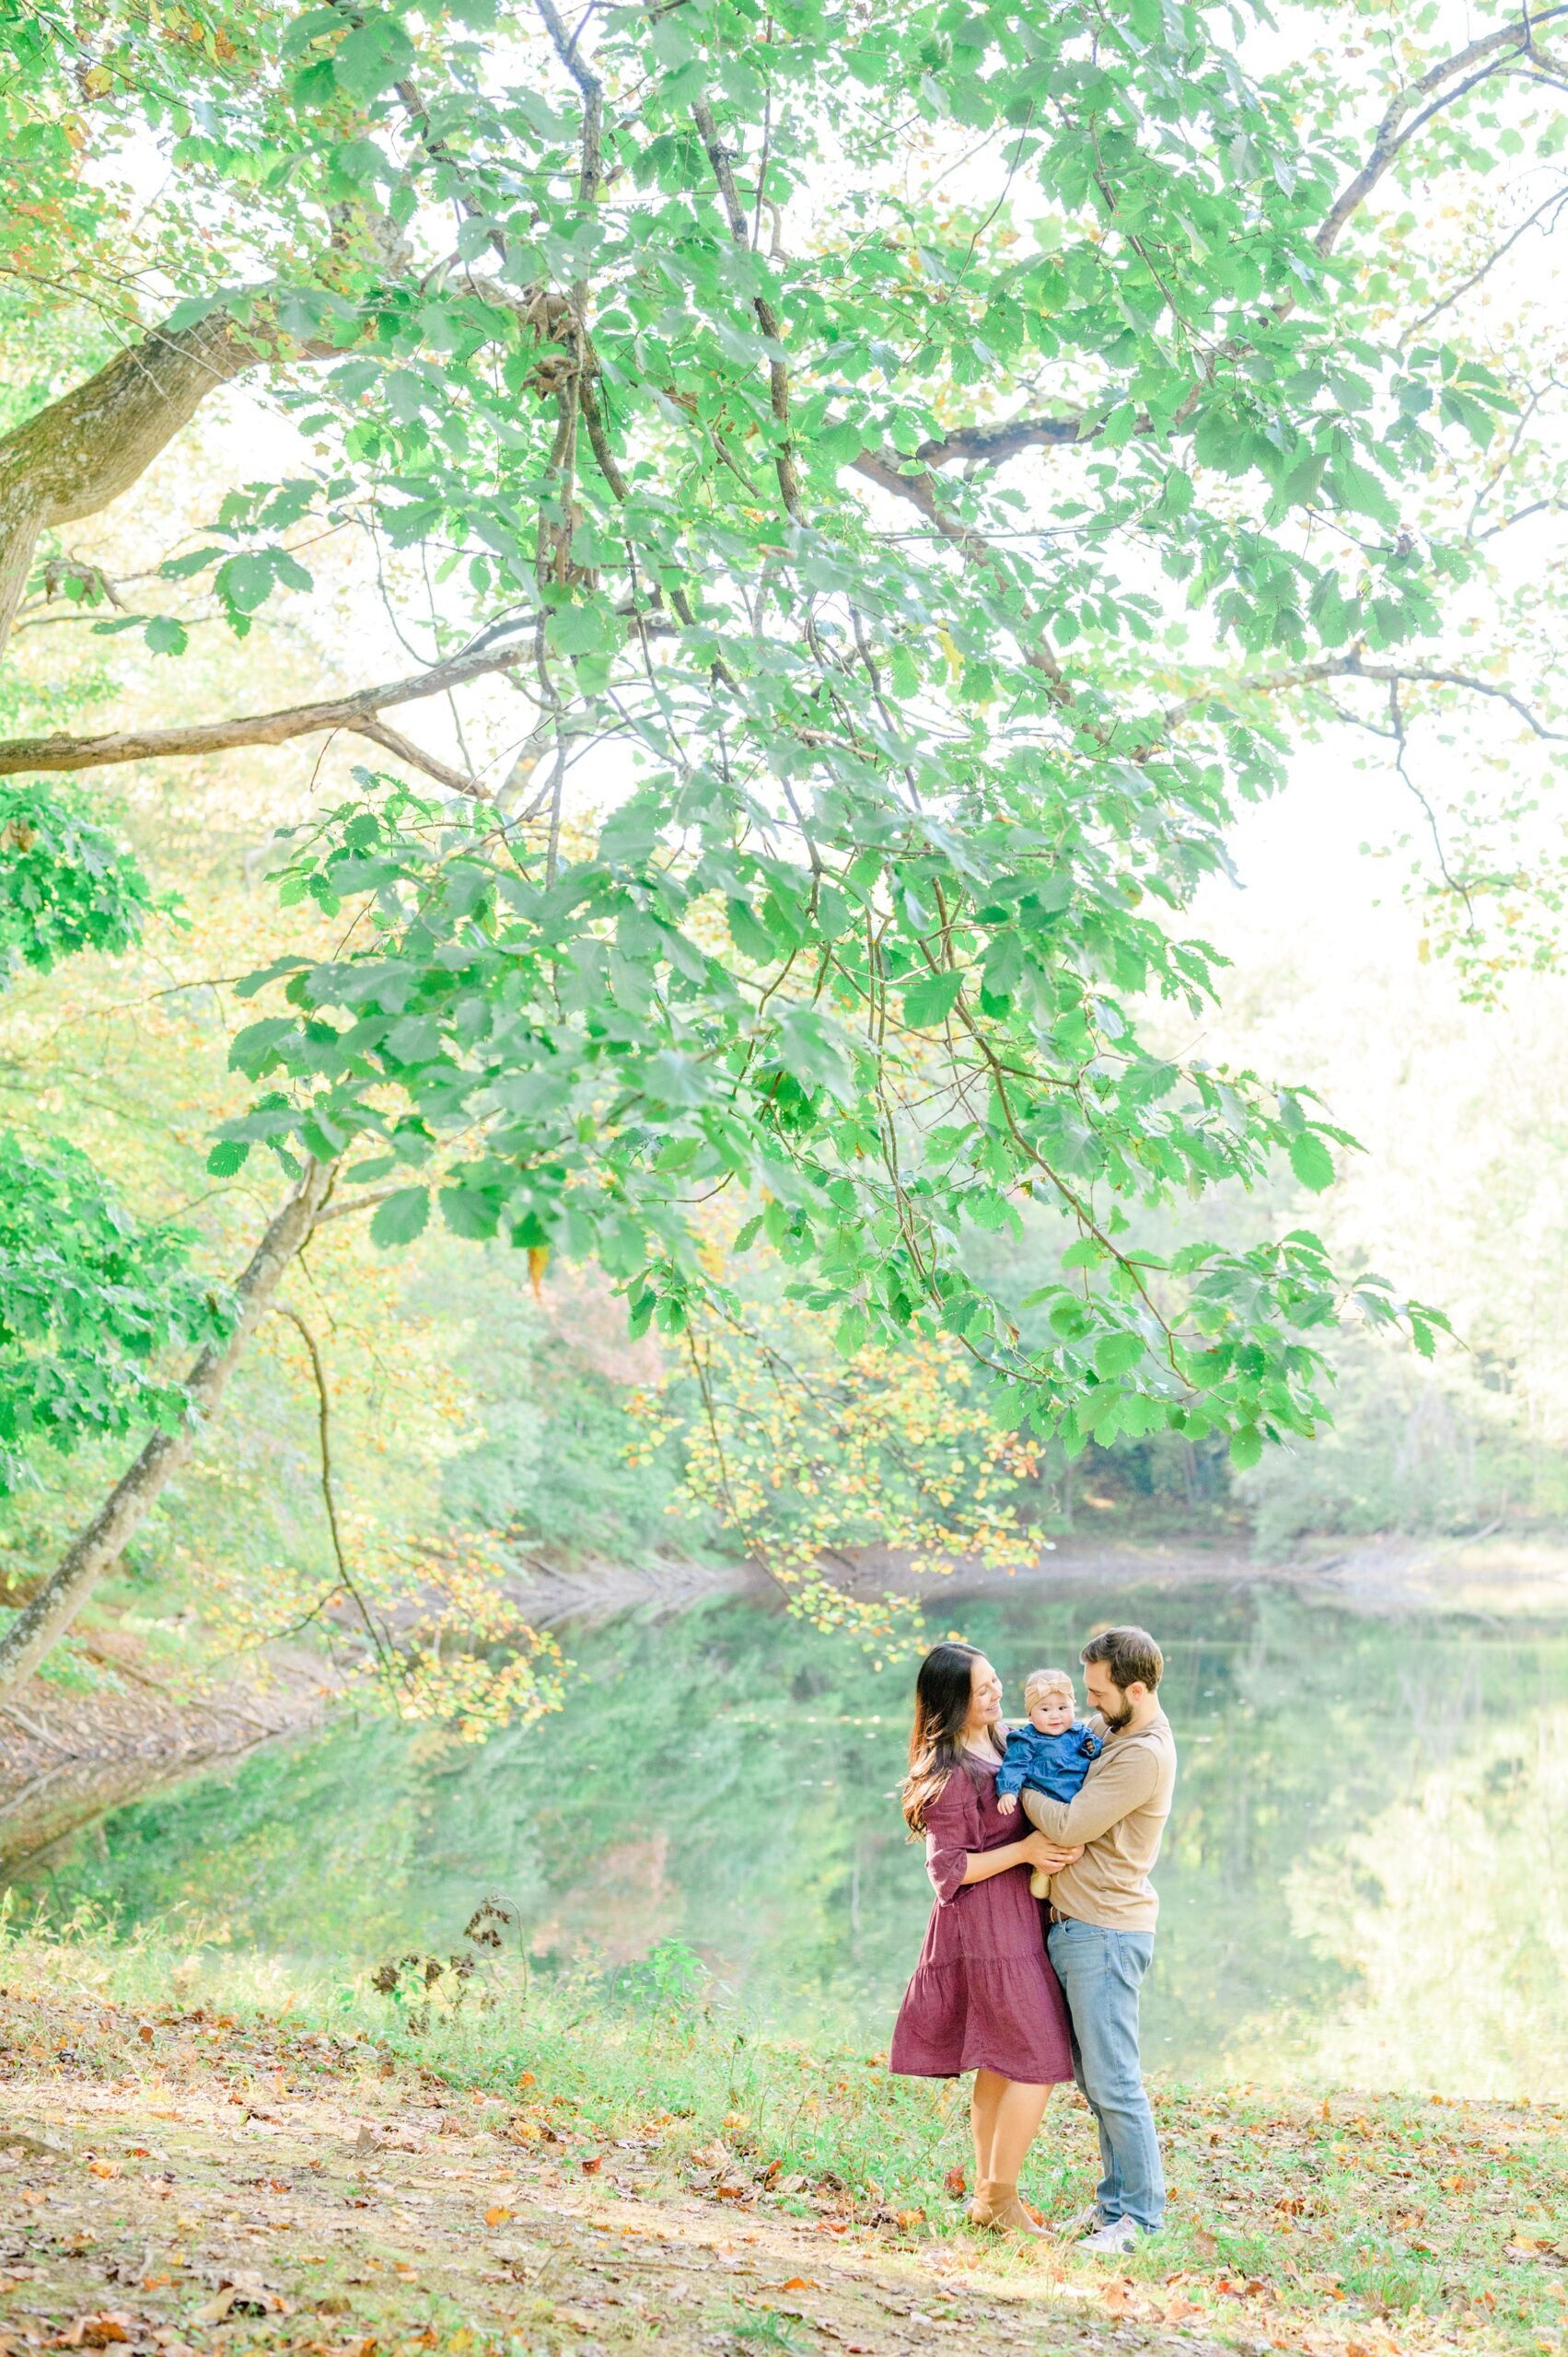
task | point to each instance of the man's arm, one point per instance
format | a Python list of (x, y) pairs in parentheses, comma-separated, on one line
[(1124, 1781)]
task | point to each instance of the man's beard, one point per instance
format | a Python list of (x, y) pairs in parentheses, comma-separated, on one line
[(1116, 1720)]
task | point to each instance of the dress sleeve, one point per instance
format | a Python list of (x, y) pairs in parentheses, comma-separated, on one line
[(950, 1836)]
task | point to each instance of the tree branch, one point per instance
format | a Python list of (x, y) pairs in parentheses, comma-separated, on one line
[(329, 1497), (767, 318), (1413, 675), (1416, 105), (356, 711), (1558, 199), (973, 546), (1004, 438), (71, 458), (51, 1612)]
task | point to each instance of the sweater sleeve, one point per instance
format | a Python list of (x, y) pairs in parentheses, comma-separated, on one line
[(1121, 1783), (949, 1833)]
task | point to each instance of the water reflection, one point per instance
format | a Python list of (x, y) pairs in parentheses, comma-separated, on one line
[(1366, 1877)]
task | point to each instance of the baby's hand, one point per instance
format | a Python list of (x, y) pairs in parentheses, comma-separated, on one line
[(1006, 1803)]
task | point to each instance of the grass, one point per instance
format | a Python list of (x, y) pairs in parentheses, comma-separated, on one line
[(1332, 2224)]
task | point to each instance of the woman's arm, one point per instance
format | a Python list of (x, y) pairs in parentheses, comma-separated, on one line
[(1034, 1850), (952, 1823)]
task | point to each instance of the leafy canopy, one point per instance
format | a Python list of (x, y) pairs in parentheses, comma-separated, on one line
[(893, 441)]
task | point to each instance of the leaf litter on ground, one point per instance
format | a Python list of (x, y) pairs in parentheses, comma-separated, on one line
[(416, 2198)]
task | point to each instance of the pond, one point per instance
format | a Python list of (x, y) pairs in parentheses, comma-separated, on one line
[(1365, 1879)]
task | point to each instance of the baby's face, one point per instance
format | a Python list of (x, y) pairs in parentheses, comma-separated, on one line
[(1053, 1713)]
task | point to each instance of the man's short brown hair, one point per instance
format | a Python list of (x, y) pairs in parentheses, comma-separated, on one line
[(1130, 1655)]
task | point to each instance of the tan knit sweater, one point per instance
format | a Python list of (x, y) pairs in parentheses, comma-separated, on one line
[(1118, 1816)]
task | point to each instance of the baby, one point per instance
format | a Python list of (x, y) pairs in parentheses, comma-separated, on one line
[(1051, 1752)]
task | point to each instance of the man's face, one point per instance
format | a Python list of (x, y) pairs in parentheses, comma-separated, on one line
[(1115, 1704)]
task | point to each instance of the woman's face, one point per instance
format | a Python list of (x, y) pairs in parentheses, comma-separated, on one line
[(985, 1693)]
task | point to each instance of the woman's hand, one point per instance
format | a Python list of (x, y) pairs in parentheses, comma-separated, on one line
[(1040, 1850)]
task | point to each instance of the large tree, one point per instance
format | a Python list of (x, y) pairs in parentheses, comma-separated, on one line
[(930, 455)]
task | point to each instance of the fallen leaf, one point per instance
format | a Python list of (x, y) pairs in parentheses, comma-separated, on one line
[(94, 2332), (498, 2215), (956, 2183), (103, 2168), (591, 2169)]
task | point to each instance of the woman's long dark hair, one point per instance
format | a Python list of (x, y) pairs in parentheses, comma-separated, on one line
[(943, 1692)]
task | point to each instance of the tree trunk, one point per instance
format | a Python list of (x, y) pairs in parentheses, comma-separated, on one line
[(98, 1548), (93, 443)]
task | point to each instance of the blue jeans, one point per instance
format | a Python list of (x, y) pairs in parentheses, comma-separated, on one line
[(1100, 1972)]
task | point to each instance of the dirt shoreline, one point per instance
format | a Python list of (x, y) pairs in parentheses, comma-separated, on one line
[(1487, 1575), (67, 1756)]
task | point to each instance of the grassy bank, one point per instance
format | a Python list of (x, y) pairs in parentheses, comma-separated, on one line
[(1331, 2224)]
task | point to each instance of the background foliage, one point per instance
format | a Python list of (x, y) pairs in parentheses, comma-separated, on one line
[(862, 505)]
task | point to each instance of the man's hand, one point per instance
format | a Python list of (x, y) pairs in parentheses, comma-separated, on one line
[(1040, 1850), (1006, 1803)]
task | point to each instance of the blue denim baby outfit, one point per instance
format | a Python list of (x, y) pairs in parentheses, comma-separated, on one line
[(1053, 1764)]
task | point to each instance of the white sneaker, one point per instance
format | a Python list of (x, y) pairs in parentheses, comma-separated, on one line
[(1111, 2241)]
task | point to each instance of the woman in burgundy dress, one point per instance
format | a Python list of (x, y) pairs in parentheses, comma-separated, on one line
[(983, 1997)]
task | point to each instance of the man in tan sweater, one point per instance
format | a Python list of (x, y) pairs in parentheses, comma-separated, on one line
[(1103, 1909)]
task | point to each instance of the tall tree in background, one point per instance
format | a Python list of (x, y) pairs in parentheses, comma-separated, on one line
[(932, 454)]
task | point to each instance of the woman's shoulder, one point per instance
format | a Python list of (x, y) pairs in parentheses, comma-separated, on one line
[(959, 1797)]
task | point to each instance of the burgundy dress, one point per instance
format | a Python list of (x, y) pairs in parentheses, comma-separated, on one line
[(983, 1997)]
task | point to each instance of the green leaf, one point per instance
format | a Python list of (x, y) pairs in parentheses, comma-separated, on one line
[(1246, 1447), (165, 635), (1118, 1354), (931, 1000), (1311, 1161), (246, 581), (402, 1217), (750, 935), (372, 58), (251, 1050)]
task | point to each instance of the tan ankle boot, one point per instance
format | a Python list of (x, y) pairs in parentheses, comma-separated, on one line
[(997, 2206)]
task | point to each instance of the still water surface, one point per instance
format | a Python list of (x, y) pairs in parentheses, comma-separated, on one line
[(1365, 1878)]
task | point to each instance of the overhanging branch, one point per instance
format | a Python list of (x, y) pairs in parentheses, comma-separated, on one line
[(1441, 85), (357, 711)]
